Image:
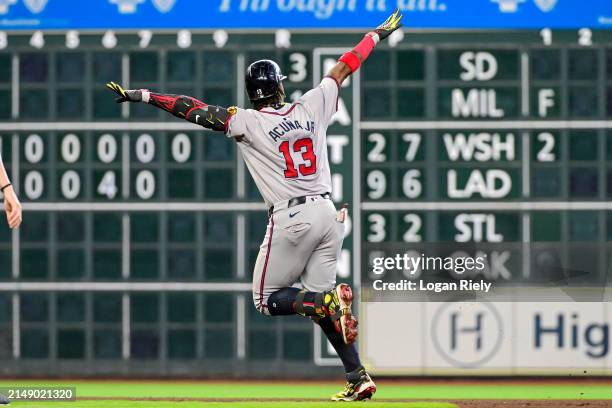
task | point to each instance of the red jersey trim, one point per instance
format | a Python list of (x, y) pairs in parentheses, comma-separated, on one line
[(265, 267)]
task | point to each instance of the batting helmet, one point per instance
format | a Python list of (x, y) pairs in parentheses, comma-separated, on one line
[(263, 78)]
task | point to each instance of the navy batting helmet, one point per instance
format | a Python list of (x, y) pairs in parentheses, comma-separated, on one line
[(263, 79)]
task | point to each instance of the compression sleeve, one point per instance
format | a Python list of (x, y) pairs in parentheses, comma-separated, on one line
[(191, 109), (361, 52)]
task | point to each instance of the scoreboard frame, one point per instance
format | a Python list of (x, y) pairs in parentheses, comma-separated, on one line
[(268, 41)]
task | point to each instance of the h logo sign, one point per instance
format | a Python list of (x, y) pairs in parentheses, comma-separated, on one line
[(465, 334), (475, 331)]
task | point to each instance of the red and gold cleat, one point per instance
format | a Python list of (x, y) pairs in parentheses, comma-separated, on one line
[(359, 389), (338, 302)]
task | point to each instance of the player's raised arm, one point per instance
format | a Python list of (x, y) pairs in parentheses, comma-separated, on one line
[(184, 107), (352, 60)]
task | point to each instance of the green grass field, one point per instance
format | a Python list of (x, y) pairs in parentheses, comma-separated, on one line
[(183, 394)]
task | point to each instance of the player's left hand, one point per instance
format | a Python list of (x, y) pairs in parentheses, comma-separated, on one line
[(12, 207), (390, 25), (125, 95)]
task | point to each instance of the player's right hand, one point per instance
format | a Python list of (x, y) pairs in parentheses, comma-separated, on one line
[(390, 25), (12, 206), (125, 95)]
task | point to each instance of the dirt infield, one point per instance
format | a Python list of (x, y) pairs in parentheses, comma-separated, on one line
[(460, 403)]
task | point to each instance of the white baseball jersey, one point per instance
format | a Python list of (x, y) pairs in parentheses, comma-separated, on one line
[(285, 149)]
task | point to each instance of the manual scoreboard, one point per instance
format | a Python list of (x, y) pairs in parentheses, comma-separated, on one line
[(496, 143), (140, 230)]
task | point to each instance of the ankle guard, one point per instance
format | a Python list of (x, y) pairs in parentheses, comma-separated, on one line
[(356, 375)]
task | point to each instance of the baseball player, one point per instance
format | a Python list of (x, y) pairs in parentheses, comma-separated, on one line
[(284, 148), (12, 206)]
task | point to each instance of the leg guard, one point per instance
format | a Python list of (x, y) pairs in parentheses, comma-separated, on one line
[(310, 303), (288, 301)]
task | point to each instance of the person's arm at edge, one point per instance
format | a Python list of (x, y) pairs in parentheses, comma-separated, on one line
[(12, 205)]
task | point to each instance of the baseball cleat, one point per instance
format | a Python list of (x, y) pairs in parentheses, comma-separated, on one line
[(361, 389), (338, 302), (4, 400)]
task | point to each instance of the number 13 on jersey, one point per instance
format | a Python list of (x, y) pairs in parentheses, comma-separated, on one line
[(305, 148)]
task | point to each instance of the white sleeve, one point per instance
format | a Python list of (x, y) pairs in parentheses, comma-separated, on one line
[(238, 125), (323, 100)]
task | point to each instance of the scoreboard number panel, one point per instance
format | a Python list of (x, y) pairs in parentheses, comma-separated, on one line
[(91, 166), (36, 177), (394, 167), (145, 182), (107, 172), (398, 227)]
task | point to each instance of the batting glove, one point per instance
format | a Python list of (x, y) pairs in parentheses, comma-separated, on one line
[(125, 95), (390, 25)]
